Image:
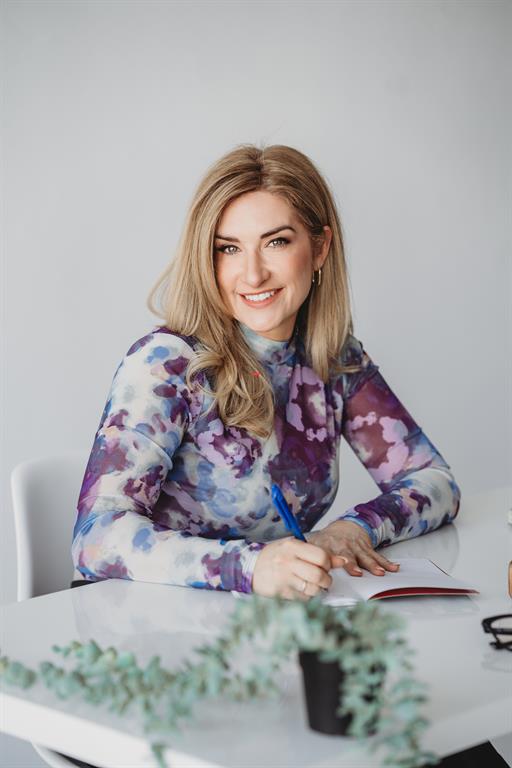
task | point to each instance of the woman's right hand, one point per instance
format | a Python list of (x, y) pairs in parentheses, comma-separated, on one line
[(285, 565)]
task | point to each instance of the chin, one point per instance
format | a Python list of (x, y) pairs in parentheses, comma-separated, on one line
[(260, 324)]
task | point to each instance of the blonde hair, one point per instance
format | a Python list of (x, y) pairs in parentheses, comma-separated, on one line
[(187, 297)]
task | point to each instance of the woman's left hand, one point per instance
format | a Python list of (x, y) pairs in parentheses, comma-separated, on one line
[(350, 547)]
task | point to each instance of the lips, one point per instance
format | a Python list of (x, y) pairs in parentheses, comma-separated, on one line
[(265, 302)]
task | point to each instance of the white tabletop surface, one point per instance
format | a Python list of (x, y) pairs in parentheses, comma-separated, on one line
[(470, 683)]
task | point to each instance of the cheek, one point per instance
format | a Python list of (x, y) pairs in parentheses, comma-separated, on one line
[(299, 273), (224, 278)]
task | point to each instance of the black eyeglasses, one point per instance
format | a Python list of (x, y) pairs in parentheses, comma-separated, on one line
[(501, 629)]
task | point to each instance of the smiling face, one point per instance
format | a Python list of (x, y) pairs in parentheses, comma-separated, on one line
[(264, 262)]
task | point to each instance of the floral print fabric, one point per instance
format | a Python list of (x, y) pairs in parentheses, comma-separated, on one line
[(172, 495)]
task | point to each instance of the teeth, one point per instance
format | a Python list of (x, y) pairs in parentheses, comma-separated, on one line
[(260, 296)]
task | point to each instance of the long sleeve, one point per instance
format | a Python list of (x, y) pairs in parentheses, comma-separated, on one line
[(144, 423), (418, 490)]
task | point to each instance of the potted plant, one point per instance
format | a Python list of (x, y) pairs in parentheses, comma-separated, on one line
[(358, 652)]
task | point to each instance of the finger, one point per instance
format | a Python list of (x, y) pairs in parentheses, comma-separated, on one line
[(368, 560), (295, 591), (313, 574), (385, 563), (338, 561), (313, 554), (312, 590), (305, 589), (352, 567)]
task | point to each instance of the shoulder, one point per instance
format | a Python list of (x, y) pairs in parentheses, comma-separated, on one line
[(160, 354), (352, 351), (361, 367), (162, 342), (154, 369), (151, 379)]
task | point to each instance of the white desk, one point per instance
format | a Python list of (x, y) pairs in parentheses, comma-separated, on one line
[(470, 682)]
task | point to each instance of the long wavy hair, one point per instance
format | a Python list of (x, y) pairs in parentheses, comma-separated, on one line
[(187, 297)]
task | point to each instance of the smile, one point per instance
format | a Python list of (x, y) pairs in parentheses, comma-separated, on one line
[(260, 299)]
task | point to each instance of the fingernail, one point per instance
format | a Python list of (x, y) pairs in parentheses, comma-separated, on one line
[(381, 570)]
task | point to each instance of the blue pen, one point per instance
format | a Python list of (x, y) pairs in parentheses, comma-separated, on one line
[(286, 513)]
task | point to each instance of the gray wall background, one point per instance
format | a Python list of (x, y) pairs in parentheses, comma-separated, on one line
[(113, 110)]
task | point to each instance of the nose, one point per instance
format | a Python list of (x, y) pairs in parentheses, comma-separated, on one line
[(255, 270)]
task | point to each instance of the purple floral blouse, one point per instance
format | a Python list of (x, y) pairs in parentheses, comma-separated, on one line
[(172, 495)]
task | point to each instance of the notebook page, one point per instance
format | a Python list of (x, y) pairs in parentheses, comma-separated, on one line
[(414, 572)]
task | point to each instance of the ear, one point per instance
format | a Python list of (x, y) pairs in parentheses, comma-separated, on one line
[(323, 250)]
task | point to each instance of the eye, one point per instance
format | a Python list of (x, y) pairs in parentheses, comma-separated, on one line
[(224, 248), (282, 239)]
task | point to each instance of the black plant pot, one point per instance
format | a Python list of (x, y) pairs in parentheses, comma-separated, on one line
[(322, 681)]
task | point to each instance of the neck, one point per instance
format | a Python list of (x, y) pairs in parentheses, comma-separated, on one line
[(278, 338), (272, 351)]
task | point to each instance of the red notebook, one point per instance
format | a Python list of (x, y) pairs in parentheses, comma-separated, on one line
[(416, 576)]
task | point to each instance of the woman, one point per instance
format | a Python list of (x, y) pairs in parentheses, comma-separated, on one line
[(253, 379)]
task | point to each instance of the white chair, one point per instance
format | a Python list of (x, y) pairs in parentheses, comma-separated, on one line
[(44, 496)]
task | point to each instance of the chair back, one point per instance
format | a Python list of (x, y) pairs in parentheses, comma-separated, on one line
[(45, 497)]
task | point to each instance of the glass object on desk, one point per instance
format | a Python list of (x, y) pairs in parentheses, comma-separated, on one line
[(501, 629)]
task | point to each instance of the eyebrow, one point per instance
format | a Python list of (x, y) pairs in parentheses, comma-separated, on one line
[(265, 234)]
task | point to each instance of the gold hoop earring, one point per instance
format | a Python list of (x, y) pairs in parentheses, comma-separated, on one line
[(317, 282)]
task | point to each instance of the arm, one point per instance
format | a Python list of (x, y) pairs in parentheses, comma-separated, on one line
[(144, 421), (418, 490)]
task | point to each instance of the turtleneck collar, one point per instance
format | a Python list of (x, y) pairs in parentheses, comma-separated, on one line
[(268, 351)]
